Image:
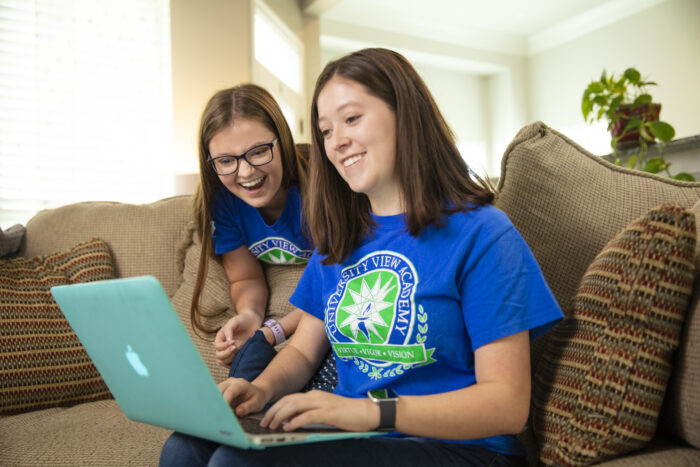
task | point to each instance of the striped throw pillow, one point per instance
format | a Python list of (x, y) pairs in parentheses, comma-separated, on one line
[(599, 386), (42, 363)]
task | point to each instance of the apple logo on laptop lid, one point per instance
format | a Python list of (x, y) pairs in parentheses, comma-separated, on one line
[(135, 362)]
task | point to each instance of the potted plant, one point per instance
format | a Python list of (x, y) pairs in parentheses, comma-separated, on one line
[(632, 116)]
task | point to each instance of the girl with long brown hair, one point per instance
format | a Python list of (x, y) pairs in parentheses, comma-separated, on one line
[(425, 292), (248, 210)]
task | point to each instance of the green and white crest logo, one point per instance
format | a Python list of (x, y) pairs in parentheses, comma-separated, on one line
[(372, 318), (277, 250)]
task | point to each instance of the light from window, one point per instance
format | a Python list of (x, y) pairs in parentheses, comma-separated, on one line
[(474, 154), (85, 104), (273, 49)]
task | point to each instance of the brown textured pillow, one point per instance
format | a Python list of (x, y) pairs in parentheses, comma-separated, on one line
[(602, 377), (42, 363), (682, 404)]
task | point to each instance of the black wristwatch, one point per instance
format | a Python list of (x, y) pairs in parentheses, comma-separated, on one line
[(386, 399)]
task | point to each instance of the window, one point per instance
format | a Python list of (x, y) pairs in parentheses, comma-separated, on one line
[(276, 48), (278, 65), (85, 103)]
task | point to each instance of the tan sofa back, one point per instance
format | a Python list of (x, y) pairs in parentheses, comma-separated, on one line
[(143, 238)]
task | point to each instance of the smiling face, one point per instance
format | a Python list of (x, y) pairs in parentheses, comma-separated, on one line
[(359, 136), (261, 186)]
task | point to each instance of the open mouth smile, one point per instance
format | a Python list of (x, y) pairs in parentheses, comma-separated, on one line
[(352, 159), (253, 184)]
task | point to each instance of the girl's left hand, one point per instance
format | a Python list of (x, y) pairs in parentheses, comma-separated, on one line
[(322, 407)]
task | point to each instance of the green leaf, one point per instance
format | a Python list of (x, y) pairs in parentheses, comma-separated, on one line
[(595, 88), (642, 99), (586, 107), (632, 124), (662, 130), (684, 176), (655, 165), (632, 162), (644, 132), (615, 103), (633, 75)]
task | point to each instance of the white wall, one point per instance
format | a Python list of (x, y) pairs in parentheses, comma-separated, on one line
[(210, 50), (662, 42), (465, 111)]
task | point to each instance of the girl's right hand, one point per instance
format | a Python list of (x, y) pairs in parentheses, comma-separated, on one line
[(233, 334), (242, 396)]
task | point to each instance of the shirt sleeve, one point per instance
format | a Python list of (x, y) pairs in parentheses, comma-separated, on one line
[(504, 292), (308, 294), (226, 232)]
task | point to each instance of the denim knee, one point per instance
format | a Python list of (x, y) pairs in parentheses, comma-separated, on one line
[(184, 450)]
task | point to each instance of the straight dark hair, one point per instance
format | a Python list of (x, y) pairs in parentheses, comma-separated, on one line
[(245, 102), (433, 176)]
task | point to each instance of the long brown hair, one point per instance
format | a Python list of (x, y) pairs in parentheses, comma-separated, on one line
[(250, 102), (434, 178)]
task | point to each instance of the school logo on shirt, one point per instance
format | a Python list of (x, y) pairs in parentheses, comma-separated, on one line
[(372, 318), (277, 250)]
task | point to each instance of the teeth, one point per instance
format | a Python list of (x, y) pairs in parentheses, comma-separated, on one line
[(251, 183), (352, 160)]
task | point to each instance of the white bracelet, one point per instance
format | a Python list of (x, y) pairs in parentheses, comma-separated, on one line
[(276, 329)]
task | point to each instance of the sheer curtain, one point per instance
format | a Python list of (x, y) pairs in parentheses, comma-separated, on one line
[(85, 103)]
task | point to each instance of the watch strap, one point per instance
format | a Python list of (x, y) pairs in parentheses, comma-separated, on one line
[(387, 414), (277, 330)]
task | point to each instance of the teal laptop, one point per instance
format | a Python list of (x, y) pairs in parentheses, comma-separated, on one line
[(145, 356)]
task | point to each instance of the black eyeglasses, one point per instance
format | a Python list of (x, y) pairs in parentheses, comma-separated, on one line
[(257, 156)]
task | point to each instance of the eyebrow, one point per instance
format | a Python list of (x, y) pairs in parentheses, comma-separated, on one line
[(254, 145), (340, 109)]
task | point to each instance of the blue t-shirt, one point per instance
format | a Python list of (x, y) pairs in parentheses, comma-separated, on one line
[(408, 313), (237, 223)]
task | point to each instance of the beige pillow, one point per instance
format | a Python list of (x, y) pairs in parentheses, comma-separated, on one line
[(215, 302), (42, 362), (568, 203), (600, 384)]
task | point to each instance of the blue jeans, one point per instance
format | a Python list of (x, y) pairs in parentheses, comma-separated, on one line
[(257, 353), (183, 450)]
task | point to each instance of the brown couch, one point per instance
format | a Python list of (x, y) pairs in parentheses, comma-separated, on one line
[(566, 203)]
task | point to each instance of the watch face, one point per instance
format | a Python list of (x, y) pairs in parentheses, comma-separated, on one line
[(382, 394)]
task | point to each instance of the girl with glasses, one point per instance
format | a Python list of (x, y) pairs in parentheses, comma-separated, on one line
[(248, 210), (425, 292)]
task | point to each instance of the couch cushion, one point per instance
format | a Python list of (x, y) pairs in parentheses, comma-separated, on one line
[(682, 407), (90, 434), (601, 381), (568, 203), (142, 237), (41, 360), (215, 302)]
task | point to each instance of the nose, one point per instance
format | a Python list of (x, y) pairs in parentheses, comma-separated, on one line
[(339, 140), (244, 168)]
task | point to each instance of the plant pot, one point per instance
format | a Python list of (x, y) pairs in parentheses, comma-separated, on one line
[(647, 112)]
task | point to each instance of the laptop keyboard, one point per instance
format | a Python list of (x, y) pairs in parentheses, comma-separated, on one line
[(252, 425)]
